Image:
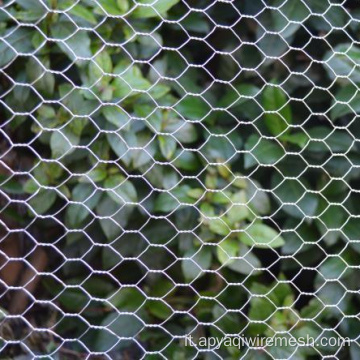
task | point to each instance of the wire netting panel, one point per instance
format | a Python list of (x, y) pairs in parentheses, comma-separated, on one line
[(176, 175)]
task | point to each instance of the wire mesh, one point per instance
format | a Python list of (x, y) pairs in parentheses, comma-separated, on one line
[(178, 171)]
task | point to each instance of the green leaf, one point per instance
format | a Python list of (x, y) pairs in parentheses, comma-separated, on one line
[(62, 142), (97, 173), (43, 80), (300, 139), (116, 326), (129, 80), (195, 22), (149, 46), (294, 10), (192, 108), (258, 199), (221, 197), (83, 13), (43, 200), (295, 192), (349, 95), (77, 125), (330, 293), (219, 227), (72, 299), (127, 299), (85, 194), (21, 93), (261, 308), (184, 132), (200, 261), (218, 149), (186, 160), (11, 186), (331, 218), (30, 186), (74, 101), (114, 7), (15, 41), (116, 116), (167, 203), (122, 190), (196, 193), (142, 157), (286, 351), (158, 309), (312, 309), (351, 233), (103, 61), (335, 17), (117, 144), (262, 236), (332, 268), (47, 116), (271, 44), (275, 100), (207, 209), (114, 217), (74, 44), (239, 210), (158, 90), (354, 351), (167, 146), (31, 4), (153, 117), (262, 151), (163, 177), (240, 99), (227, 249), (123, 5), (281, 292), (324, 139), (342, 63), (233, 248), (159, 7), (287, 20)]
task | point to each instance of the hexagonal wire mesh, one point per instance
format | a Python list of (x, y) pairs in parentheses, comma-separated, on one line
[(178, 173)]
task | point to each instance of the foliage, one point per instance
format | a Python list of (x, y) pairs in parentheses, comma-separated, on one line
[(158, 191)]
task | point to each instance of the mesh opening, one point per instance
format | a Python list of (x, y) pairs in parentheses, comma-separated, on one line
[(179, 178)]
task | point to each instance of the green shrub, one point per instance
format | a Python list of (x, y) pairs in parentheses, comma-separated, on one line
[(173, 169)]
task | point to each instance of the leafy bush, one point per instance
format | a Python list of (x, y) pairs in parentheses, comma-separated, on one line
[(173, 169)]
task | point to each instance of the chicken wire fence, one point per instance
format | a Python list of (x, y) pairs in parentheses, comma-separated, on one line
[(179, 171)]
